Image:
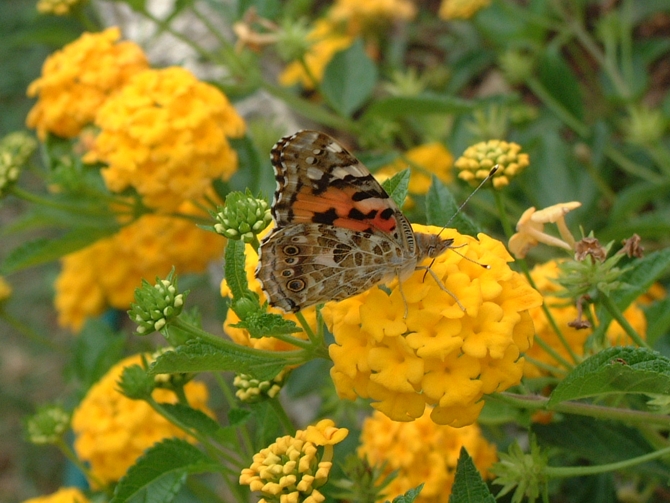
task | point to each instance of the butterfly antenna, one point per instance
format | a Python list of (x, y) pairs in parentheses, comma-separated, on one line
[(460, 208)]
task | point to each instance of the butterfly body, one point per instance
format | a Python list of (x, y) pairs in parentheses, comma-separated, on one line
[(337, 232)]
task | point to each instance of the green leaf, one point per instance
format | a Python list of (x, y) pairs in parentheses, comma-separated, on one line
[(409, 496), (95, 350), (250, 166), (201, 422), (42, 250), (161, 471), (658, 320), (423, 104), (397, 186), (615, 370), (442, 210), (349, 79), (197, 356), (236, 277), (559, 79), (468, 485), (599, 441), (263, 324)]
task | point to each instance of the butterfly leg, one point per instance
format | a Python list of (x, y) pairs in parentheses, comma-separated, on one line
[(440, 284), (404, 300)]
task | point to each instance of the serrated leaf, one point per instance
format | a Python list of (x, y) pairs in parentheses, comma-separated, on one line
[(349, 79), (599, 441), (615, 370), (263, 324), (397, 186), (236, 277), (201, 422), (43, 250), (161, 471), (409, 497), (400, 106), (199, 356), (469, 487), (442, 210)]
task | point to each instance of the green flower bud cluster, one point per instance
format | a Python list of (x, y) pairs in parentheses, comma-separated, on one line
[(15, 150), (250, 390), (47, 425), (136, 383), (156, 305), (292, 39), (243, 217)]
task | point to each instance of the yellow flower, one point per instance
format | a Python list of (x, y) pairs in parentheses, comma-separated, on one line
[(564, 312), (291, 470), (241, 336), (422, 452), (78, 79), (530, 229), (327, 40), (63, 495), (423, 161), (461, 9), (107, 272), (361, 16), (439, 355), (112, 431), (166, 135), (477, 161), (5, 290), (57, 7)]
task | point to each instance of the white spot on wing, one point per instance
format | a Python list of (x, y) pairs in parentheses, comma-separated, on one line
[(314, 174)]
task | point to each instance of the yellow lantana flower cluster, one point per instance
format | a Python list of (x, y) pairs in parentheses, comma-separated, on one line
[(240, 335), (423, 161), (166, 134), (439, 355), (461, 9), (79, 78), (5, 289), (57, 7), (360, 16), (422, 452), (564, 312), (476, 162), (291, 470), (107, 272), (112, 431), (63, 495)]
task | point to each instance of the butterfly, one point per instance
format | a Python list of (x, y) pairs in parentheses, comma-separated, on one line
[(337, 232)]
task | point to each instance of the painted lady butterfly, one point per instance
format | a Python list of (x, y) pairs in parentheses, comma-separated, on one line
[(337, 232)]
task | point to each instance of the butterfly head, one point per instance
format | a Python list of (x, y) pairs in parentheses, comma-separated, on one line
[(431, 245)]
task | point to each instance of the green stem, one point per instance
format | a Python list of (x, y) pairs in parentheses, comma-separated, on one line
[(283, 417), (550, 318), (49, 203), (551, 369), (632, 167), (535, 402), (72, 457), (233, 403), (28, 332), (502, 213), (577, 471), (616, 313)]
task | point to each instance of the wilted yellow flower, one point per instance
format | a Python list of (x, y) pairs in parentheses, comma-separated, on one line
[(166, 135), (106, 273), (438, 355), (112, 431), (461, 9), (476, 162), (530, 229), (423, 161), (78, 79), (291, 470), (63, 495), (422, 452), (327, 40), (564, 312), (240, 335), (361, 16), (57, 7), (5, 290)]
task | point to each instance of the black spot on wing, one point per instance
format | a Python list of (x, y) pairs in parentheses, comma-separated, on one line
[(356, 214), (325, 217), (387, 213)]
